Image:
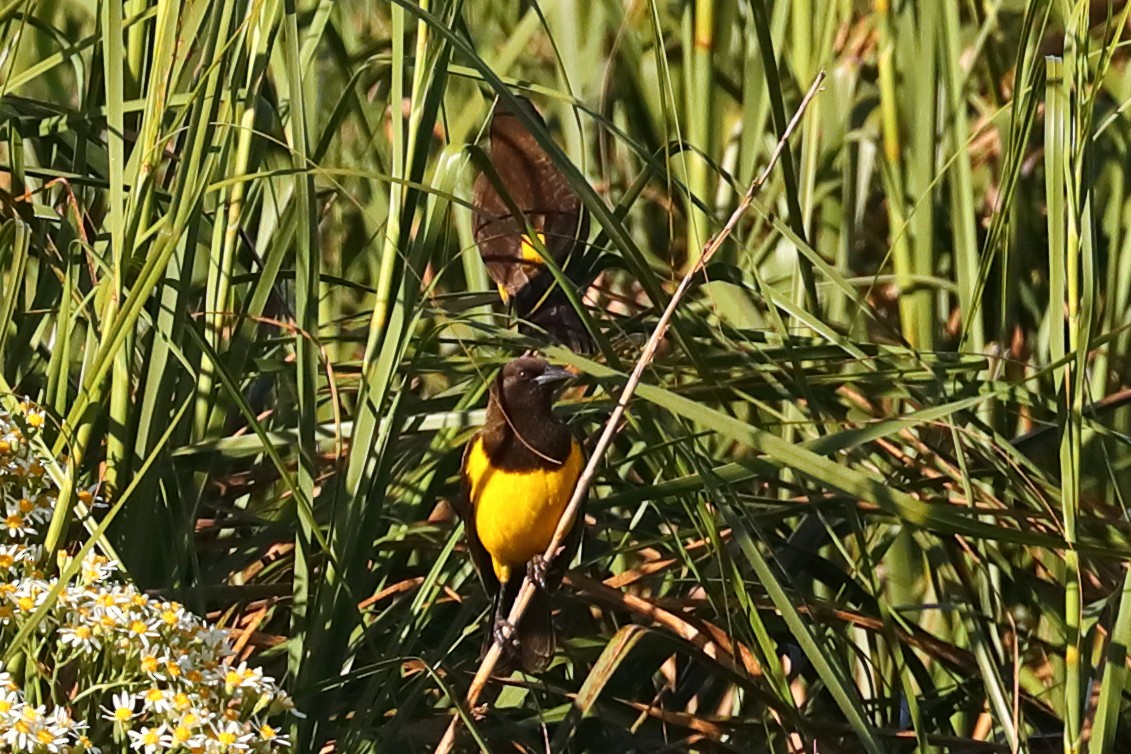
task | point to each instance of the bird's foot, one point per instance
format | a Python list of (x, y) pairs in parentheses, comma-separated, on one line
[(537, 570), (505, 634)]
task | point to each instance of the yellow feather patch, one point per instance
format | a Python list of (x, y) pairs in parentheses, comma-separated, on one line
[(517, 512), (530, 250)]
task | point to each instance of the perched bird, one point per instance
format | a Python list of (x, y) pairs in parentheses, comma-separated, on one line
[(548, 206), (518, 475)]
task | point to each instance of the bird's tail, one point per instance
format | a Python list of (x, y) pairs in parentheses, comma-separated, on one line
[(536, 640), (535, 633), (549, 313)]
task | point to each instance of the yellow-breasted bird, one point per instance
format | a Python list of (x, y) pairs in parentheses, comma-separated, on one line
[(518, 475), (548, 205)]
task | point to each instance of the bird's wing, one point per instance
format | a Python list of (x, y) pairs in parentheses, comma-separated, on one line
[(538, 190), (498, 234), (466, 510), (566, 231)]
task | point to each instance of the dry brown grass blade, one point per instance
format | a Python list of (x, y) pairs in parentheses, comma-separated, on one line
[(491, 659), (658, 565), (709, 639)]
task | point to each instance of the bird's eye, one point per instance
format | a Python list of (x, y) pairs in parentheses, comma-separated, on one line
[(523, 374)]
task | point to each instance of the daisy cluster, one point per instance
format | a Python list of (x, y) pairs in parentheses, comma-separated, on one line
[(103, 667)]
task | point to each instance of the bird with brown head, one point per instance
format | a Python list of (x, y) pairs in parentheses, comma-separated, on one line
[(518, 475)]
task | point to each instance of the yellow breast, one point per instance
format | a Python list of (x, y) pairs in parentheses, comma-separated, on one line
[(517, 512)]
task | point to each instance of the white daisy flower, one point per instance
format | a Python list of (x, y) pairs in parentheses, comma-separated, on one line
[(150, 740), (232, 737), (82, 637), (17, 524), (273, 736), (121, 708), (23, 730)]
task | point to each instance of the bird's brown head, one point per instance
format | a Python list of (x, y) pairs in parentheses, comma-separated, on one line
[(526, 387)]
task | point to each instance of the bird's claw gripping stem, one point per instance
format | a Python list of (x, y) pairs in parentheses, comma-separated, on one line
[(505, 634), (536, 571)]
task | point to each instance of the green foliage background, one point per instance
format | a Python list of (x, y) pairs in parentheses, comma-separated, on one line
[(871, 494)]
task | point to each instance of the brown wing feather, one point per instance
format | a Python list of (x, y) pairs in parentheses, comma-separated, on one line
[(466, 510), (538, 190)]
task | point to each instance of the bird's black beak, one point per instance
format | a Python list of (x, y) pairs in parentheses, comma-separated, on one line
[(552, 375)]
